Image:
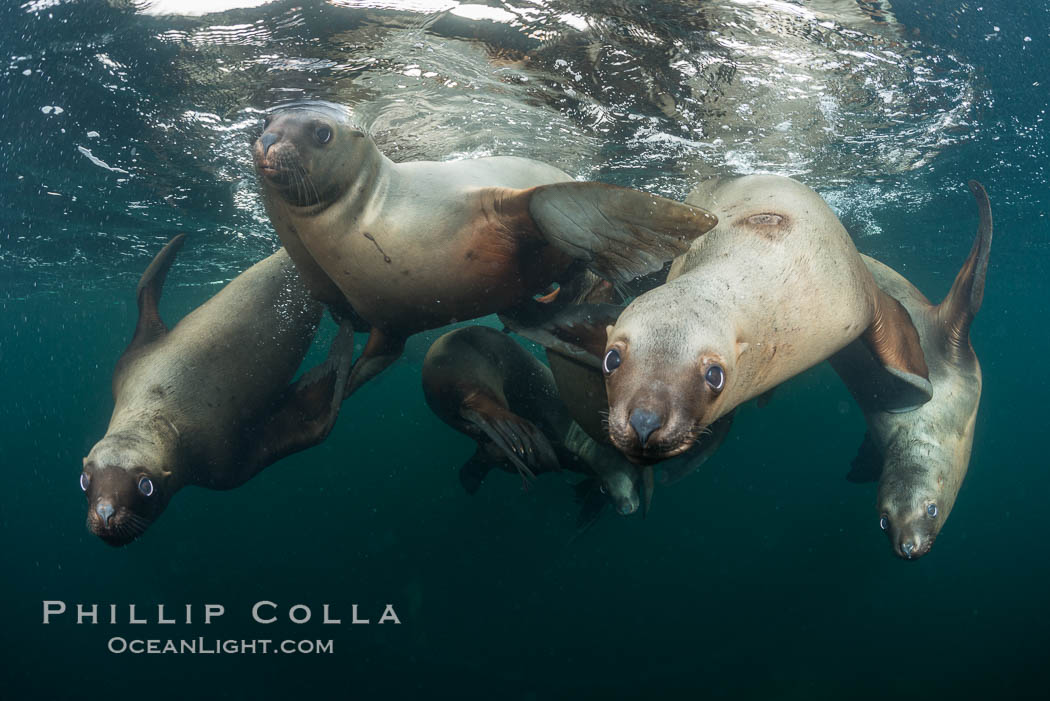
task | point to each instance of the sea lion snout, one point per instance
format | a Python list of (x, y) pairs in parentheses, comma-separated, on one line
[(121, 503), (644, 422)]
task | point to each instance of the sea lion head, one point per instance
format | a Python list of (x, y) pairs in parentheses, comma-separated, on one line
[(668, 366), (915, 499), (126, 487), (620, 487), (311, 153)]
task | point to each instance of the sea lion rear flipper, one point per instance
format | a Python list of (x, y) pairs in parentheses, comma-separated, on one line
[(308, 408), (577, 331), (380, 352), (867, 465), (150, 327), (957, 310), (894, 342), (619, 232), (517, 438)]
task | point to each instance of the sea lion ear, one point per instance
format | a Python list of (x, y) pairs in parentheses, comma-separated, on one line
[(620, 233), (577, 331), (150, 327), (892, 339), (958, 309)]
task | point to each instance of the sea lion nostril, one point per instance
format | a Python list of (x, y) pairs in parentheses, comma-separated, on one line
[(104, 509), (267, 140), (907, 548), (644, 422)]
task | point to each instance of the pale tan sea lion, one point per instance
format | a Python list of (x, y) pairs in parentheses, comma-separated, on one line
[(418, 245), (208, 402), (581, 384), (774, 289), (920, 458)]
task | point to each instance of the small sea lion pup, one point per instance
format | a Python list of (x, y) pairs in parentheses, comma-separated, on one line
[(774, 289), (418, 245), (209, 402), (482, 383), (921, 458)]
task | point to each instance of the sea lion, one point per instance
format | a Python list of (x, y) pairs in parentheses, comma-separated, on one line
[(485, 385), (582, 386), (920, 458), (418, 245), (208, 402), (776, 287)]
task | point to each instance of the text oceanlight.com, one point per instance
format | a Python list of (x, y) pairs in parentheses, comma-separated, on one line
[(209, 646)]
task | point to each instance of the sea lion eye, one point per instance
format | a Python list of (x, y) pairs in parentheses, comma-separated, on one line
[(146, 486), (611, 362), (931, 510), (884, 523), (603, 489), (85, 481), (323, 134), (716, 377)]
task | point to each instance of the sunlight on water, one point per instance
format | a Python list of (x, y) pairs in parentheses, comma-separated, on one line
[(155, 138)]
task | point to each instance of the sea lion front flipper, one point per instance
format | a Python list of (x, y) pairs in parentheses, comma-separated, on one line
[(307, 410), (517, 438), (619, 232), (577, 331), (380, 352), (867, 465), (474, 471), (894, 342), (150, 327), (957, 311), (588, 494), (648, 486)]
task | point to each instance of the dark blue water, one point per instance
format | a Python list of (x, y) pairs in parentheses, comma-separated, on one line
[(763, 576)]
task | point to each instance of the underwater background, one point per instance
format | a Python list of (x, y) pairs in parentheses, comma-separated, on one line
[(764, 575)]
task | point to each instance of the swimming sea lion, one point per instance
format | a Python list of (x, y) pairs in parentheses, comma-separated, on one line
[(485, 385), (418, 245), (775, 288), (208, 402), (921, 457), (581, 384)]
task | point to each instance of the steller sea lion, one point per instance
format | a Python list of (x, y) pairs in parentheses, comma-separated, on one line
[(581, 384), (208, 402), (482, 383), (776, 287), (920, 458), (418, 245)]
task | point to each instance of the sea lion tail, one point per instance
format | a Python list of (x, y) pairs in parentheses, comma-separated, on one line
[(957, 311), (620, 233), (577, 331), (150, 327)]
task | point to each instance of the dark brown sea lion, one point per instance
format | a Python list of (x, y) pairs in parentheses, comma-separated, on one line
[(486, 386), (209, 403), (417, 245), (920, 458)]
